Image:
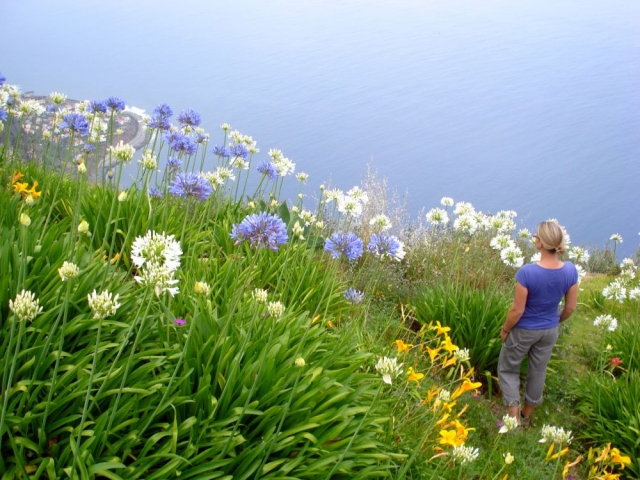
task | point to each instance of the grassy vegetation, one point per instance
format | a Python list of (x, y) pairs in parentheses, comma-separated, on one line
[(185, 327)]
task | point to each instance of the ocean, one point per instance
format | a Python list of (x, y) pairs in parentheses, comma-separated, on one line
[(531, 105)]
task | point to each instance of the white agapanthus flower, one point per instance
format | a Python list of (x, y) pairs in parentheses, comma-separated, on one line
[(259, 295), (508, 423), (122, 152), (388, 368), (302, 177), (275, 309), (103, 305), (578, 255), (446, 201), (464, 208), (159, 276), (524, 233), (68, 271), (437, 216), (334, 194), (202, 288), (350, 206), (358, 194), (25, 306), (307, 217), (634, 293), (444, 395), (581, 272), (466, 223), (158, 248), (607, 322), (616, 238), (615, 291), (380, 223), (462, 354), (510, 214), (557, 435), (464, 455), (512, 256), (149, 160), (500, 242), (536, 257)]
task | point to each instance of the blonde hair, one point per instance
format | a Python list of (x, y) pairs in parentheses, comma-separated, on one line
[(552, 237)]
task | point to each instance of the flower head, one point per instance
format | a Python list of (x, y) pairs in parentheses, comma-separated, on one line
[(24, 219), (202, 288), (180, 322), (221, 151), (104, 304), (159, 276), (354, 296), (275, 309), (556, 435), (122, 152), (259, 295), (189, 118), (381, 223), (115, 104), (97, 106), (512, 256), (446, 201), (508, 458), (68, 271), (388, 368), (187, 184), (83, 227), (156, 248), (616, 238), (25, 306), (508, 423), (268, 170), (464, 455), (75, 122), (386, 246), (437, 216), (615, 291), (299, 362), (347, 244), (262, 230), (606, 322)]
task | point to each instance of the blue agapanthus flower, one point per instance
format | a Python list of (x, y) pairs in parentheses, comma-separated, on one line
[(221, 151), (2, 79), (75, 122), (155, 192), (162, 111), (201, 137), (97, 106), (3, 115), (189, 118), (174, 164), (189, 184), (181, 143), (115, 104), (54, 108), (386, 245), (354, 296), (88, 148), (239, 151), (341, 243), (262, 230), (268, 169)]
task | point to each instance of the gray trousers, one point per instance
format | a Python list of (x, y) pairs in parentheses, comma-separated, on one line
[(537, 344)]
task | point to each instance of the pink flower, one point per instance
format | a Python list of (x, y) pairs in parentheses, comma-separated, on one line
[(180, 321), (615, 362)]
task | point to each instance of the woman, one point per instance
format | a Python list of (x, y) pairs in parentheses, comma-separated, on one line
[(531, 327)]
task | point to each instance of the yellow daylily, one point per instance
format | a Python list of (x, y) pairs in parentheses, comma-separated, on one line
[(430, 394), (567, 466), (442, 421), (449, 362), (609, 476), (17, 175), (413, 376), (402, 347), (447, 345), (440, 330), (621, 459), (450, 437), (32, 191), (466, 386), (433, 352)]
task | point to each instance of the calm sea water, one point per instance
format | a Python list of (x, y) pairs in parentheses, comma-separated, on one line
[(530, 105)]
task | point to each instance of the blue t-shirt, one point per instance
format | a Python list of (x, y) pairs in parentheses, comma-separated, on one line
[(546, 288)]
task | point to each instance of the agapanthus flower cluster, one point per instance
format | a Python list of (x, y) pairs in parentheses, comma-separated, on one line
[(68, 271), (221, 151), (607, 322), (384, 245), (181, 143), (275, 309), (500, 242), (615, 291), (190, 185), (347, 244), (307, 217), (157, 257), (464, 208), (437, 216), (75, 122), (160, 118), (634, 293), (616, 238), (446, 202), (508, 423), (464, 455), (350, 206), (462, 354), (104, 304), (259, 295), (380, 223), (149, 160), (389, 369), (466, 223), (189, 119), (174, 164), (25, 306), (115, 104), (354, 296), (261, 230), (578, 255), (31, 107), (283, 165), (501, 222), (268, 169), (557, 435), (97, 107), (627, 271), (512, 256), (122, 152), (202, 288)]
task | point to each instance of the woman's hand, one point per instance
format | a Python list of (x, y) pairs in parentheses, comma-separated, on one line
[(503, 335)]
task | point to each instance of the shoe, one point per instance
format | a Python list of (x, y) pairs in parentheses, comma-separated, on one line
[(525, 422)]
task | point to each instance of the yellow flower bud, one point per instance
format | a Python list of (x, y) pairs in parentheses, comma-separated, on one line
[(25, 220)]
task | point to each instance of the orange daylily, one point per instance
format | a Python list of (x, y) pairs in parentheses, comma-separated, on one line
[(17, 175), (402, 347), (449, 362), (567, 466), (433, 352)]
